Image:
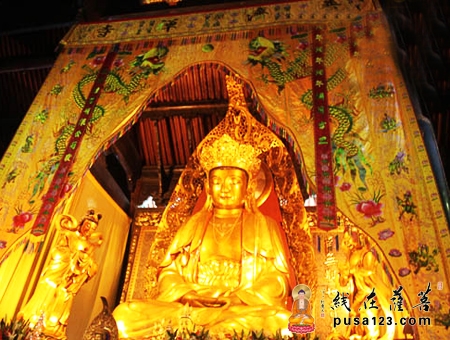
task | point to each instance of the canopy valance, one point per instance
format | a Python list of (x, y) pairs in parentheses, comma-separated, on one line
[(324, 78)]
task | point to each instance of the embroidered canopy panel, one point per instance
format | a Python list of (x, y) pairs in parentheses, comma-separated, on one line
[(324, 79)]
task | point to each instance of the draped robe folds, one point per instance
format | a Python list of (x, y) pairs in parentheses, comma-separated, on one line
[(71, 266), (262, 283)]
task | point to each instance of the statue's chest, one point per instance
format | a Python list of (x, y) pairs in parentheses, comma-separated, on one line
[(220, 241), (80, 245)]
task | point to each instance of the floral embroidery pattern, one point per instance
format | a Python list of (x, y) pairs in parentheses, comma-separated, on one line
[(385, 234)]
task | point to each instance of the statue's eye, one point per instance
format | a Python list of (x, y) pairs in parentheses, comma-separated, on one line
[(216, 181), (236, 180)]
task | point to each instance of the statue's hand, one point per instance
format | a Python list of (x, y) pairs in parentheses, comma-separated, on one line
[(96, 239), (196, 300), (231, 299)]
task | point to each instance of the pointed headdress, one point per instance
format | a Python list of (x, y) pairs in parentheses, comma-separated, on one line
[(239, 140)]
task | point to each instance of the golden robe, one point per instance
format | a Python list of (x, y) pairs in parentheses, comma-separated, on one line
[(259, 281)]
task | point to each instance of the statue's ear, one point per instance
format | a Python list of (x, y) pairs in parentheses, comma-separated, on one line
[(207, 187), (251, 184)]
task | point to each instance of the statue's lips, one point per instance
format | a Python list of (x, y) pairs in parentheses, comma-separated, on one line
[(226, 199)]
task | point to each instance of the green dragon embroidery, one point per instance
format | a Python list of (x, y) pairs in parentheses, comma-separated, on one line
[(144, 65), (348, 155), (271, 55)]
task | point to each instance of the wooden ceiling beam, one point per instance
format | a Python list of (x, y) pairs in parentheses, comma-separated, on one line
[(183, 110)]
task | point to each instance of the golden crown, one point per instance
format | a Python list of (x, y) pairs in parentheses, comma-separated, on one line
[(226, 151), (239, 140)]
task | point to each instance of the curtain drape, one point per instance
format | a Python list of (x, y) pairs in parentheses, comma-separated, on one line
[(114, 226), (20, 271), (382, 178)]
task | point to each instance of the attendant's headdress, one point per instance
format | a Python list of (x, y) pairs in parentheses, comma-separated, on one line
[(92, 216)]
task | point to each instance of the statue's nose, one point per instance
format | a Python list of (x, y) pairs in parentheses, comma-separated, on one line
[(226, 186)]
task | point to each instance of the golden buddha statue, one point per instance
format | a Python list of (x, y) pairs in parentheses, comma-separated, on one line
[(228, 261), (226, 266), (71, 266)]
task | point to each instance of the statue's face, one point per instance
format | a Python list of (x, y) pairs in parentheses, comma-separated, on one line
[(228, 187), (88, 227)]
